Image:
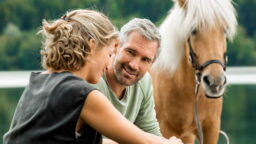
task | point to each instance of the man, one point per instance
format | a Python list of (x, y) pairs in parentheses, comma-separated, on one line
[(126, 82)]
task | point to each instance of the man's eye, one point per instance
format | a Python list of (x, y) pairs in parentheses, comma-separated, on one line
[(131, 52), (146, 60)]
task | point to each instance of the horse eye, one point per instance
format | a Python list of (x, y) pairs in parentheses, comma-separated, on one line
[(194, 32), (226, 30)]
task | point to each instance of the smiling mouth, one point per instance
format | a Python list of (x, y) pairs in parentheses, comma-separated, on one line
[(129, 71)]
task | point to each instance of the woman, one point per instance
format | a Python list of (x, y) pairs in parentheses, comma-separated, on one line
[(58, 105)]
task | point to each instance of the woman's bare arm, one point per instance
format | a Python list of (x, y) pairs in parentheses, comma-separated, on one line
[(100, 114)]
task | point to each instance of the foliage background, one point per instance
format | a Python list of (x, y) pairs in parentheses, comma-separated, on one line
[(21, 19)]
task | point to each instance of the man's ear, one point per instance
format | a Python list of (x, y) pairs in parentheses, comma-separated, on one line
[(116, 45)]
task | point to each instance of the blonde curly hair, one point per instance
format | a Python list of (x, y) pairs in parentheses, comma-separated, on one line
[(65, 45)]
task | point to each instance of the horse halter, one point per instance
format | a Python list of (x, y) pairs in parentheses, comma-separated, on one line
[(199, 68)]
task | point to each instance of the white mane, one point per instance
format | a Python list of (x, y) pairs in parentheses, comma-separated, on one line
[(198, 14)]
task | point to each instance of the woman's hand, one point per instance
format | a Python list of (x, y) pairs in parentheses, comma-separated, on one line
[(152, 139), (174, 140)]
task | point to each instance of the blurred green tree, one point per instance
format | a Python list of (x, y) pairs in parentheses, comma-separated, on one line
[(20, 19), (242, 51)]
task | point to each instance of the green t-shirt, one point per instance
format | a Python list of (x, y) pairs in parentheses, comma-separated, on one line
[(137, 105)]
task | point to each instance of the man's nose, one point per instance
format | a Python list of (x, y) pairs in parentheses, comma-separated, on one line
[(134, 63)]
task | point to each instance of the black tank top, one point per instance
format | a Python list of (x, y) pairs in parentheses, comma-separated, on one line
[(48, 111)]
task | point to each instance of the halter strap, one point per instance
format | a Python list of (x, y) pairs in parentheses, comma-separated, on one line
[(199, 67)]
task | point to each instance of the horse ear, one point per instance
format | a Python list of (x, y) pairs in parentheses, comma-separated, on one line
[(181, 3)]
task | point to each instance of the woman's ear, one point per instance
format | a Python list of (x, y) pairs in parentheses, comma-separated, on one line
[(92, 44)]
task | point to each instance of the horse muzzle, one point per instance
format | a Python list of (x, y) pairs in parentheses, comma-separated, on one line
[(214, 86)]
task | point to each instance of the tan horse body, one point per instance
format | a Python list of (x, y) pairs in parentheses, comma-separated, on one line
[(174, 77)]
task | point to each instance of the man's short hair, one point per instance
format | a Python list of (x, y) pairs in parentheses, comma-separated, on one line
[(144, 27)]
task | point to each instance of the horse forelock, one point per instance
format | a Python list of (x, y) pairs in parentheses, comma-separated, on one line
[(197, 14), (205, 14)]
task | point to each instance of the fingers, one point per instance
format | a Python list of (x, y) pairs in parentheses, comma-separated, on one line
[(175, 140), (172, 140)]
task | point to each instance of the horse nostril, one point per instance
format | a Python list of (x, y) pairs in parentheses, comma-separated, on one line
[(211, 81), (207, 79)]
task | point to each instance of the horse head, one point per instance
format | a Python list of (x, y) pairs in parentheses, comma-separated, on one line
[(202, 26), (207, 52), (211, 22)]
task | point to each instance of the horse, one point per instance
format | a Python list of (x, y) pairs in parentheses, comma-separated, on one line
[(193, 58)]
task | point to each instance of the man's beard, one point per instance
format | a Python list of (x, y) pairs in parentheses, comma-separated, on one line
[(122, 79)]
